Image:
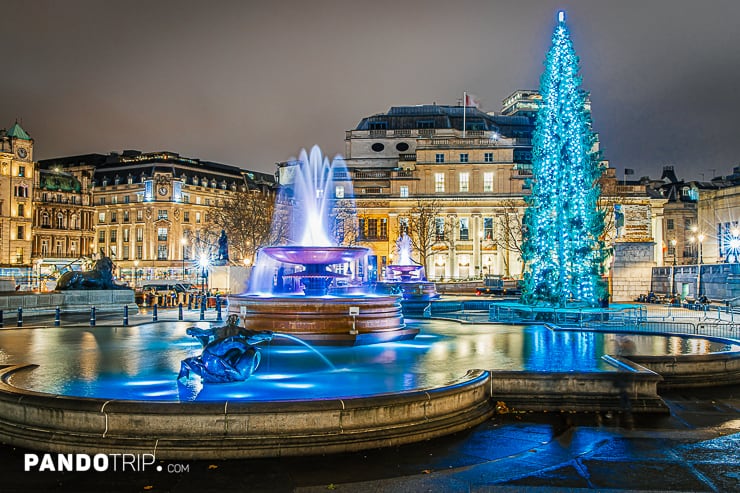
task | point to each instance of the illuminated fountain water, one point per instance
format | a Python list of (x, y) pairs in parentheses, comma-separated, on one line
[(303, 303), (409, 278)]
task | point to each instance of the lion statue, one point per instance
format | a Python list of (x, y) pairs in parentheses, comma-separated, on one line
[(100, 277)]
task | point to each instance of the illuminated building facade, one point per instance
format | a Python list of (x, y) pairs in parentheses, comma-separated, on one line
[(152, 211), (16, 206)]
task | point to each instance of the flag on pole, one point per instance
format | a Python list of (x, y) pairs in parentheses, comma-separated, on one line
[(628, 171), (471, 100)]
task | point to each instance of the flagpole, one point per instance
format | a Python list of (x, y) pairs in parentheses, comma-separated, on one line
[(465, 108)]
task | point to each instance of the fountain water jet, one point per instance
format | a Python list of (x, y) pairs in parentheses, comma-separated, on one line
[(311, 310)]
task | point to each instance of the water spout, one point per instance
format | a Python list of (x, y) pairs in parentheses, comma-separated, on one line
[(300, 341)]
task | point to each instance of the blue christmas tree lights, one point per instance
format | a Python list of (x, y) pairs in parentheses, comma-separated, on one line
[(563, 247)]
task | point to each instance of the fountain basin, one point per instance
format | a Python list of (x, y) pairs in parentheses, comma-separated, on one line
[(226, 430), (325, 320), (314, 255)]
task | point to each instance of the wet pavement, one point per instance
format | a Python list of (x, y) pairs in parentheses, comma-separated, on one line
[(695, 448)]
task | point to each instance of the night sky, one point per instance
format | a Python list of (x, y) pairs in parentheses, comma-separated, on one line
[(251, 83)]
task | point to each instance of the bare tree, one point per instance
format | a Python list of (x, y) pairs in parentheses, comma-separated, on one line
[(422, 228), (509, 233), (345, 222), (247, 218)]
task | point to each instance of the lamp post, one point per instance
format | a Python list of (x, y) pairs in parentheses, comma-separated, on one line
[(136, 273), (203, 262), (673, 271), (480, 253), (700, 237), (183, 242)]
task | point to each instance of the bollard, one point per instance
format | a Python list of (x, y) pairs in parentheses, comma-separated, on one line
[(20, 317), (154, 313), (190, 302), (92, 316), (218, 309), (57, 317), (179, 311), (203, 311), (2, 322), (125, 315)]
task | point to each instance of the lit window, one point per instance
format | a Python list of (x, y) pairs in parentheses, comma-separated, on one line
[(162, 234), (439, 182), (101, 217), (488, 181), (464, 182), (339, 191), (404, 191), (162, 214)]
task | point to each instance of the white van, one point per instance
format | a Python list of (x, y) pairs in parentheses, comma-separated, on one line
[(167, 287)]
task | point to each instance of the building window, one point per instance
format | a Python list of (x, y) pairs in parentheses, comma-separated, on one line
[(101, 217), (45, 220), (439, 182), (125, 235), (20, 191), (60, 221), (44, 248), (404, 191), (21, 171), (126, 199), (125, 252), (101, 201), (162, 234), (162, 214), (139, 234), (339, 191), (113, 217), (101, 236), (125, 216), (186, 198), (488, 228), (488, 157), (687, 224), (488, 181), (464, 228), (140, 215), (114, 199), (439, 158), (669, 223), (464, 182), (439, 228), (197, 200), (21, 210), (197, 218), (21, 233), (384, 228), (186, 216), (463, 157), (113, 235), (372, 228), (162, 252)]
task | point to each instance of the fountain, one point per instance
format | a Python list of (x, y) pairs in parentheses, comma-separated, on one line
[(307, 306), (408, 278)]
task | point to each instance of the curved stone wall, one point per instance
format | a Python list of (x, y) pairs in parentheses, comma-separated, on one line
[(226, 430)]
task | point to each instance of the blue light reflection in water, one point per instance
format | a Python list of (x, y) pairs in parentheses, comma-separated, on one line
[(142, 363)]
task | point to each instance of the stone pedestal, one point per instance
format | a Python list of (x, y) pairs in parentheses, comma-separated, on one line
[(231, 279), (632, 269)]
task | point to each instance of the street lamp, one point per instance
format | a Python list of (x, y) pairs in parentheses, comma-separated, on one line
[(183, 242), (480, 253), (136, 273), (203, 262), (700, 237), (673, 271)]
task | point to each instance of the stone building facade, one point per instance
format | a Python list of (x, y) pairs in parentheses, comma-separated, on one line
[(16, 204)]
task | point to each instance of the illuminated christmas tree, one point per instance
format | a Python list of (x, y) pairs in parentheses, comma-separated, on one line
[(563, 248)]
